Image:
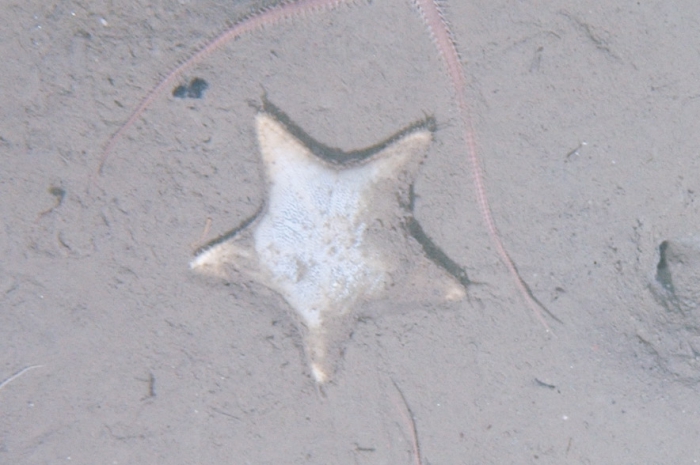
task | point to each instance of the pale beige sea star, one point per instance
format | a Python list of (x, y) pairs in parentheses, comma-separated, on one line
[(336, 232)]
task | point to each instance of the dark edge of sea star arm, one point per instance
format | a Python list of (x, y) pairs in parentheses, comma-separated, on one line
[(435, 253), (334, 156), (230, 234)]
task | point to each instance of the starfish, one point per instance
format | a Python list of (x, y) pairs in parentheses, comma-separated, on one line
[(336, 232), (446, 47)]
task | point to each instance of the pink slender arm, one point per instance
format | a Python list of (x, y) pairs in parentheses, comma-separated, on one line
[(445, 44)]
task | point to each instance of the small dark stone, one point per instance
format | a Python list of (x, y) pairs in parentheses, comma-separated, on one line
[(195, 89), (180, 91)]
